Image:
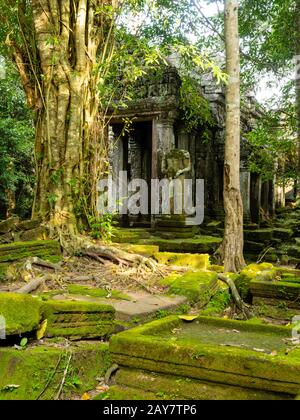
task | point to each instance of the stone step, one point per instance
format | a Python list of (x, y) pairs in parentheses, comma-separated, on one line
[(149, 385), (276, 290)]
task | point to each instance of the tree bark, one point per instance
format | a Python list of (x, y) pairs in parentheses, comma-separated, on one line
[(58, 66), (232, 247), (297, 49)]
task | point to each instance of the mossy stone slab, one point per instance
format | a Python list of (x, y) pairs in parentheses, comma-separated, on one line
[(197, 286), (171, 387), (78, 320), (20, 250), (39, 371), (198, 261), (21, 313), (215, 350)]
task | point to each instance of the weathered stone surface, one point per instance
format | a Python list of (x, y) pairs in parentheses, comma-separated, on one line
[(249, 273), (78, 320), (38, 372), (277, 290), (19, 250), (134, 307), (246, 359), (198, 287), (8, 225), (28, 224), (38, 234), (199, 261), (144, 385), (21, 313), (7, 238)]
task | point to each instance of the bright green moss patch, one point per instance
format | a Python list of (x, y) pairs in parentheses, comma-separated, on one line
[(198, 261), (47, 250), (248, 274), (21, 313), (145, 250), (197, 287), (77, 289), (39, 371), (220, 301)]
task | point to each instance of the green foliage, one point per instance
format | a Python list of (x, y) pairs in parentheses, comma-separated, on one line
[(194, 106), (16, 145), (273, 148), (102, 227)]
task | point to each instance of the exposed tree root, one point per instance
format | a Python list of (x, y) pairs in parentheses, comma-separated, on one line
[(236, 296), (32, 285)]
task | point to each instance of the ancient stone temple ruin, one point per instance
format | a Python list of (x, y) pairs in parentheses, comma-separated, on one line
[(159, 128)]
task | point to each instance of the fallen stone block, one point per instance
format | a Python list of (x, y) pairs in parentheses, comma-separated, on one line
[(78, 320), (21, 313)]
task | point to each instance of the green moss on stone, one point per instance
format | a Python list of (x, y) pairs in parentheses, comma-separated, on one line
[(220, 301), (197, 287), (78, 320), (39, 371), (198, 261), (21, 313), (145, 250), (247, 275), (155, 348), (77, 289), (19, 250)]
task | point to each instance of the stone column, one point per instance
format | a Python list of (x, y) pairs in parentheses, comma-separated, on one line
[(163, 140), (265, 197), (116, 151), (255, 197), (135, 157), (245, 180), (271, 198)]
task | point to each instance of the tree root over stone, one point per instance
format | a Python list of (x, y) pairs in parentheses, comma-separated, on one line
[(236, 296)]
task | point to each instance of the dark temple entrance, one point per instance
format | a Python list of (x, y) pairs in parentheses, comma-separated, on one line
[(132, 152)]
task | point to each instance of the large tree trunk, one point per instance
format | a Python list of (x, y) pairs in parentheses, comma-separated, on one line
[(60, 78), (232, 247), (298, 90)]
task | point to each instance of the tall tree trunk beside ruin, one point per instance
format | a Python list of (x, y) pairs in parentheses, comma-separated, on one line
[(63, 43), (233, 243), (298, 90)]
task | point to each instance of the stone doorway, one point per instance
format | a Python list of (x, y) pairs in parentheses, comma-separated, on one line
[(132, 152)]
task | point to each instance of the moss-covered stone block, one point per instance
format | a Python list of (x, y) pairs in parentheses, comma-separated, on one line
[(216, 350), (249, 273), (200, 245), (39, 233), (276, 290), (197, 287), (38, 371), (172, 387), (8, 225), (198, 261), (133, 236), (219, 302), (21, 313), (78, 320), (19, 250), (145, 250), (260, 235)]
